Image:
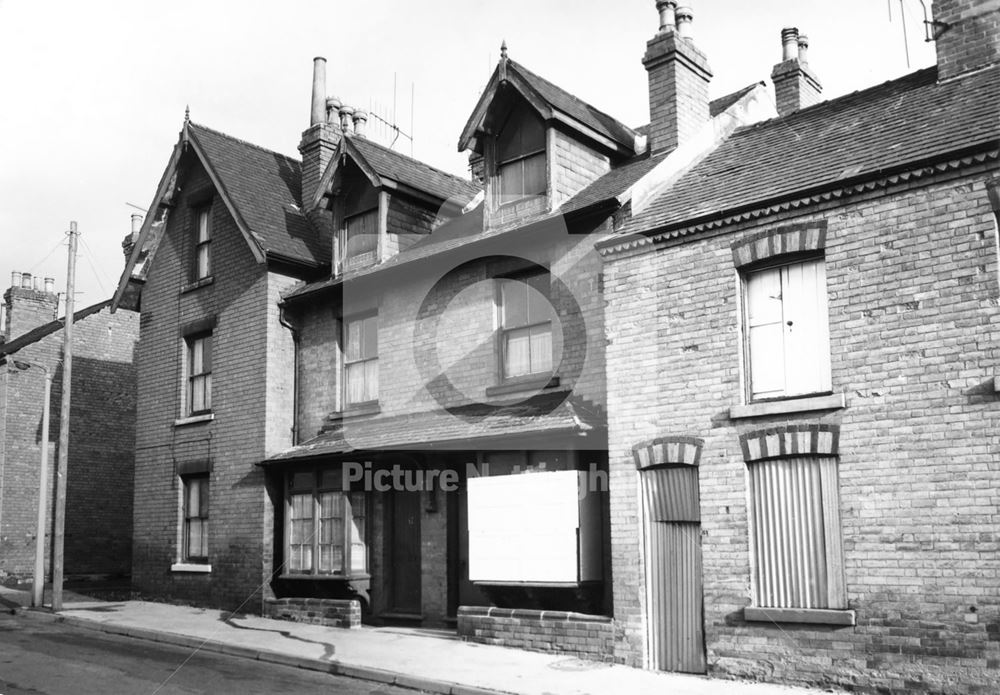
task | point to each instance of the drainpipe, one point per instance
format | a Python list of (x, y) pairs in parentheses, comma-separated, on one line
[(295, 372)]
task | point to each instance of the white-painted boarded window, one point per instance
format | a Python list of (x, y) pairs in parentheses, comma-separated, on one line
[(533, 528), (795, 533), (787, 330)]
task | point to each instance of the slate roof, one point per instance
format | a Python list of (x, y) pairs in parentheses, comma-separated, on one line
[(618, 180), (871, 132), (457, 428), (398, 167), (46, 329), (265, 188), (573, 106)]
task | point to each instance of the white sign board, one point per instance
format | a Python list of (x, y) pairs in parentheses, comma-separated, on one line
[(523, 528)]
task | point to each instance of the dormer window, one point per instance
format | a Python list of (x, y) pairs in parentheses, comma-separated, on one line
[(520, 156), (359, 230)]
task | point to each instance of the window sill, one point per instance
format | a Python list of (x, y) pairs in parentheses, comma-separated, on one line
[(197, 284), (357, 410), (194, 419), (834, 401), (814, 616), (523, 384), (191, 567)]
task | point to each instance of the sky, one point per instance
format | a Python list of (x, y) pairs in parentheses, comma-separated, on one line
[(92, 94)]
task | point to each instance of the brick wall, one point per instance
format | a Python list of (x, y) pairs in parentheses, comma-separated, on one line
[(102, 430), (915, 342), (586, 636), (331, 612), (574, 166), (237, 438)]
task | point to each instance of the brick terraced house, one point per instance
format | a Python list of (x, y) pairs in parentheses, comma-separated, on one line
[(98, 522), (803, 409), (623, 393)]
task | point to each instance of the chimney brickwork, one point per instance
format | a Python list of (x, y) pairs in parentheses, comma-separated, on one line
[(968, 35), (795, 85), (320, 140), (678, 82), (27, 306)]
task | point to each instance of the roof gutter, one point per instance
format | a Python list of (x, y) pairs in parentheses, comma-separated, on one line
[(724, 216)]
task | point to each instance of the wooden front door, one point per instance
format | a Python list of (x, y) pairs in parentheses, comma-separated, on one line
[(404, 552)]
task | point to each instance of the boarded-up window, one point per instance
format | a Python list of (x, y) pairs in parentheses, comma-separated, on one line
[(361, 360), (787, 330), (795, 533), (525, 326)]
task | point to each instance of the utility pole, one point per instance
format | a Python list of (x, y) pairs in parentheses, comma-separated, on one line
[(59, 526)]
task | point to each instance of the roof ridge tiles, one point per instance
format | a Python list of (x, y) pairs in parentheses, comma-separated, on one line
[(355, 138), (241, 141)]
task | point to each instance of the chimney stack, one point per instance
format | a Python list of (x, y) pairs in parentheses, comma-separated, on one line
[(320, 140), (128, 243), (26, 305), (346, 112), (360, 119), (965, 35), (678, 80), (795, 85)]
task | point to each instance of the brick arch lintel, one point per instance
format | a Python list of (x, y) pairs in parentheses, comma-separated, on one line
[(668, 451), (790, 440), (794, 238)]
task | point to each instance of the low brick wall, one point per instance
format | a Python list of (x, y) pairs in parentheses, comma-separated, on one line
[(318, 611), (579, 634)]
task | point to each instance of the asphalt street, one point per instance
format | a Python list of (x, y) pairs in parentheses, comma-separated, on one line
[(55, 659)]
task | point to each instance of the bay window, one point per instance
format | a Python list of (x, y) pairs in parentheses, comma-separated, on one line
[(325, 526)]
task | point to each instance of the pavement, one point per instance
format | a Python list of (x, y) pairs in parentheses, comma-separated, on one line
[(435, 661)]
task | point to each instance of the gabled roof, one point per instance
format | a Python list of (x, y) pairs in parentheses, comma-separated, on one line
[(461, 427), (260, 188), (551, 102), (46, 329), (385, 166), (874, 132)]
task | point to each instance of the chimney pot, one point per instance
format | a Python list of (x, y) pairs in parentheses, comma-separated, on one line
[(318, 114), (50, 285), (25, 281), (333, 105), (803, 49), (667, 9), (789, 43), (345, 118), (15, 279), (136, 223), (684, 17), (360, 119)]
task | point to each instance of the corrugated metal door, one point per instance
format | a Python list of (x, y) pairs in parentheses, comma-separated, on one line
[(673, 562)]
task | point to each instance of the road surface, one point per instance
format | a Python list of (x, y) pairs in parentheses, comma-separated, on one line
[(39, 657)]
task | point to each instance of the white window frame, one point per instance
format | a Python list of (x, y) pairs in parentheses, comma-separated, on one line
[(504, 332), (810, 373), (362, 361), (355, 536), (203, 483)]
